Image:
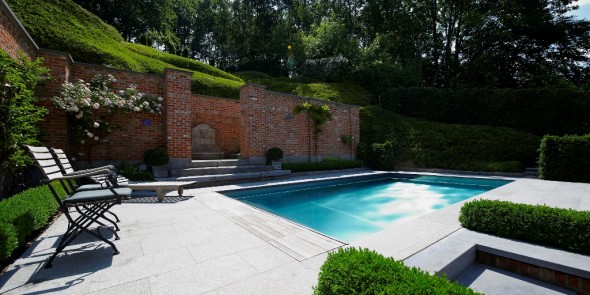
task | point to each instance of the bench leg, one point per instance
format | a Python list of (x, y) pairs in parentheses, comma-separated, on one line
[(180, 190), (160, 194)]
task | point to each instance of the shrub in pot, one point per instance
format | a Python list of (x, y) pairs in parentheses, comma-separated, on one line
[(157, 158), (274, 156)]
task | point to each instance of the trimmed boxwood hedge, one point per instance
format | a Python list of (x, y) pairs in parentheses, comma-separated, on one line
[(362, 271), (326, 164), (565, 158), (411, 142), (562, 228), (24, 213), (538, 110)]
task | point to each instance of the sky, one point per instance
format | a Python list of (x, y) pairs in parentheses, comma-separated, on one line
[(584, 10)]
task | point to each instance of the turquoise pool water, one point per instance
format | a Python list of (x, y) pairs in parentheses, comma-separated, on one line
[(352, 208)]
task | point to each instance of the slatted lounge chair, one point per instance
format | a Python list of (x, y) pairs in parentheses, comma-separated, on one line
[(90, 205), (66, 168)]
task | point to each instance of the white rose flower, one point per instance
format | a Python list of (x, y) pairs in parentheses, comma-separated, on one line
[(160, 98), (96, 106), (82, 141), (96, 125), (136, 109), (96, 138), (89, 134)]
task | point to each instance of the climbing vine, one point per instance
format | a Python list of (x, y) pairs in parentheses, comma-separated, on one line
[(318, 115)]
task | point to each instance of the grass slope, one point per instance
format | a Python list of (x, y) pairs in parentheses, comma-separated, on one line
[(65, 26), (348, 93)]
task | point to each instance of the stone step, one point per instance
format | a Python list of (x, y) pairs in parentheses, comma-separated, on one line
[(217, 163), (223, 170), (224, 179)]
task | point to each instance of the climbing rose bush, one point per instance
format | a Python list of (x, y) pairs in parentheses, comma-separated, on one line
[(92, 105)]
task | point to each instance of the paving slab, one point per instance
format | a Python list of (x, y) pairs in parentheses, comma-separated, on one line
[(204, 243)]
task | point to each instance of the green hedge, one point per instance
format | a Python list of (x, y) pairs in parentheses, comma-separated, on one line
[(565, 158), (539, 111), (352, 271), (404, 141), (326, 164), (348, 93), (24, 213), (65, 26), (562, 228)]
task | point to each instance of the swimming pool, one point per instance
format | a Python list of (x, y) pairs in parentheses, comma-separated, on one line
[(347, 209)]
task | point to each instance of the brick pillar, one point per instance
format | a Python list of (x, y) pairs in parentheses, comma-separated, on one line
[(250, 94), (55, 125), (177, 89)]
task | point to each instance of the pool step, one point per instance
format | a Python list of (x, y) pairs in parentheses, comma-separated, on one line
[(223, 170), (223, 179), (217, 163)]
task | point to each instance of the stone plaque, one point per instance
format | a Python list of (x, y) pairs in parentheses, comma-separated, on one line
[(203, 135)]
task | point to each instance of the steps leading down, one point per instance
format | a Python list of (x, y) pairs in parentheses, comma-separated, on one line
[(226, 171)]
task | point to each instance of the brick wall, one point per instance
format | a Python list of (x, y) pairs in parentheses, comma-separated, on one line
[(259, 120), (267, 120), (137, 132), (14, 39), (221, 114)]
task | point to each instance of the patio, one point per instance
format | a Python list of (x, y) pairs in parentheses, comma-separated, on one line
[(205, 243)]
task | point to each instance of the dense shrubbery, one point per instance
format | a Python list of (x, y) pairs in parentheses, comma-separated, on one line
[(65, 26), (339, 92), (328, 69), (420, 143), (326, 164), (19, 115), (133, 173), (565, 158), (563, 228), (352, 271), (24, 213), (539, 111)]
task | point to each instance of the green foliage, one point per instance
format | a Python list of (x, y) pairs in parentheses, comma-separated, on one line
[(363, 271), (274, 154), (539, 111), (180, 62), (324, 165), (19, 115), (65, 26), (24, 213), (318, 114), (328, 69), (156, 156), (133, 173), (346, 139), (8, 240), (562, 228), (348, 92), (565, 158), (447, 146)]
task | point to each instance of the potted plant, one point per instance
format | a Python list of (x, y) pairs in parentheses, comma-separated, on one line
[(157, 158), (274, 156)]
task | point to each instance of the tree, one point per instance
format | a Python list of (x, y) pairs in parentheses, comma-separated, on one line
[(19, 115)]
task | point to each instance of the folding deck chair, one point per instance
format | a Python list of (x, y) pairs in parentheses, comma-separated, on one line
[(101, 178), (66, 168), (89, 204)]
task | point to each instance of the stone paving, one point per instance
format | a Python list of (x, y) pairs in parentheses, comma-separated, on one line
[(202, 243)]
